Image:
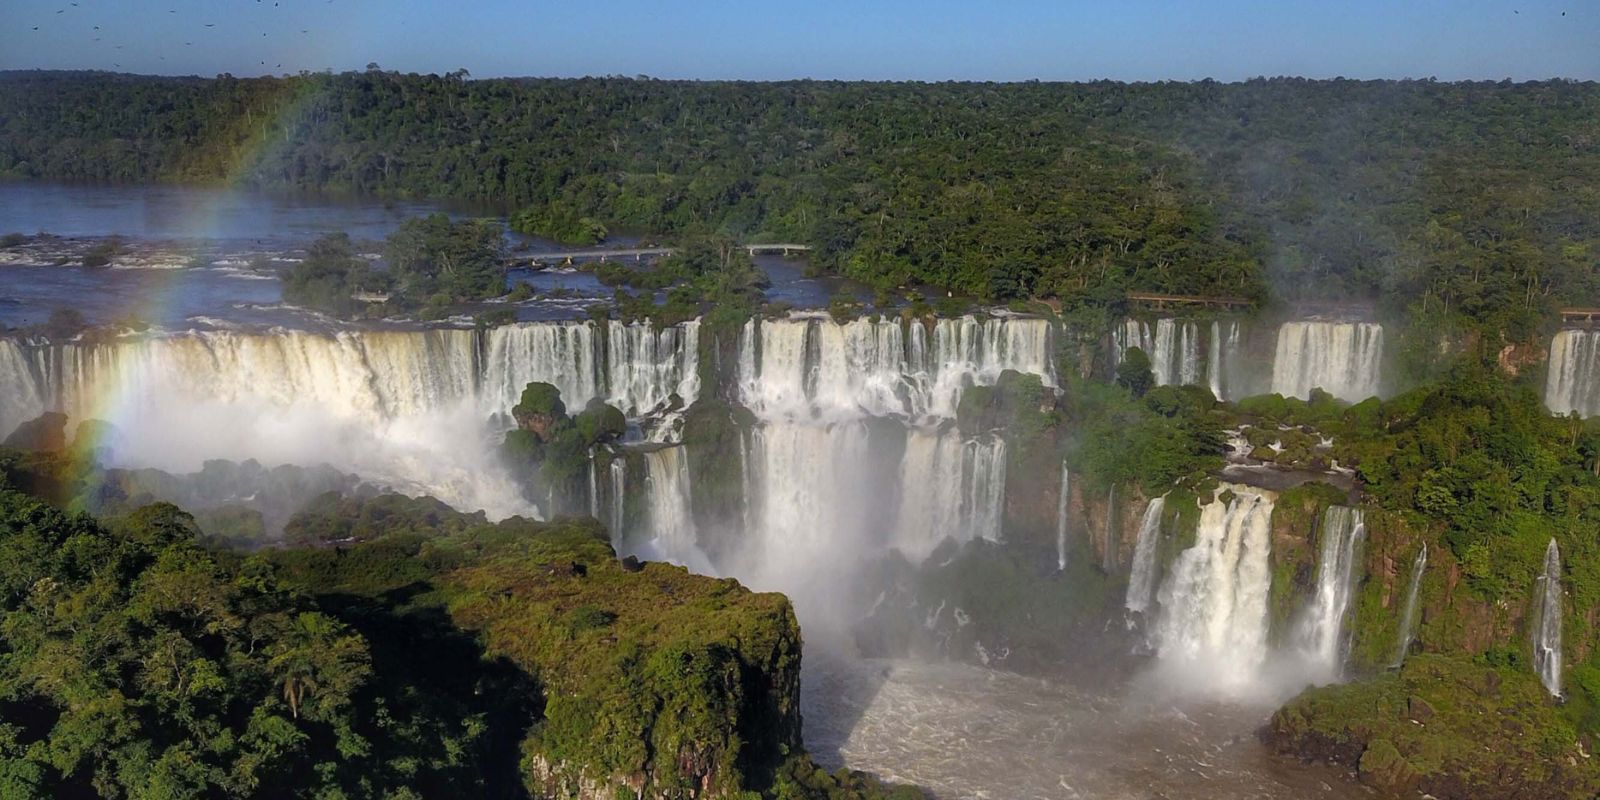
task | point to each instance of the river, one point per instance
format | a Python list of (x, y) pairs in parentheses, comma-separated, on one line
[(193, 256)]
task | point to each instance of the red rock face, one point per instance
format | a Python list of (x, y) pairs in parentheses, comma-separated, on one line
[(540, 425)]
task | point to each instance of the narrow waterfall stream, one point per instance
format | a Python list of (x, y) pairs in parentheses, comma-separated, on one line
[(1142, 578), (1063, 506), (1547, 628), (1408, 612), (1320, 630)]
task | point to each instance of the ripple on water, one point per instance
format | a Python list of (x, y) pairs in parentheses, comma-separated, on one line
[(965, 732)]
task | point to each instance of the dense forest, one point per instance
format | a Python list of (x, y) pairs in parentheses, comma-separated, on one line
[(429, 654), (1458, 203)]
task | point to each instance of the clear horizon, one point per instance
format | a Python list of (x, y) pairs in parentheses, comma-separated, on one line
[(828, 40)]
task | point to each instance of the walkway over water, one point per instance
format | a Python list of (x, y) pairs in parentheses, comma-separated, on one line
[(1580, 315), (638, 253), (1165, 301)]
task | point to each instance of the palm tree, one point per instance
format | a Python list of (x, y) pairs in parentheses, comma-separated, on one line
[(316, 658)]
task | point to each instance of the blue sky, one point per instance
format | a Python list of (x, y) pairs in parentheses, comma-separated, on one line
[(758, 40)]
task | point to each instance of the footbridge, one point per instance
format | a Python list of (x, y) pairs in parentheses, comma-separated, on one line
[(638, 254), (1162, 302)]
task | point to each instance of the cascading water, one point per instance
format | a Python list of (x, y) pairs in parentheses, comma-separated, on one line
[(404, 408), (22, 398), (667, 493), (1547, 628), (594, 487), (1212, 629), (1173, 347), (1142, 578), (616, 516), (1063, 505), (645, 366), (818, 468), (1224, 352), (950, 488), (1408, 612), (1109, 561), (816, 369), (1341, 358), (635, 367), (1320, 630), (564, 355), (1572, 382)]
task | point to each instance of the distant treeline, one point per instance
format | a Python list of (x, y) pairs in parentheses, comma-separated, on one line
[(1475, 203)]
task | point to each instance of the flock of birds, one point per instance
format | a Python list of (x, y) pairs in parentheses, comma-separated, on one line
[(275, 4)]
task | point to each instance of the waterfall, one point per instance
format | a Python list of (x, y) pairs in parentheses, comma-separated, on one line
[(564, 355), (646, 366), (817, 369), (1320, 630), (1063, 504), (594, 488), (1547, 628), (1172, 346), (618, 470), (372, 376), (1142, 578), (950, 488), (1572, 379), (984, 481), (1109, 561), (23, 397), (402, 408), (1341, 358), (1212, 628), (1224, 350), (1408, 613), (671, 524)]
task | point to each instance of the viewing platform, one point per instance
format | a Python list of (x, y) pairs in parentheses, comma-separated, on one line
[(638, 254), (1163, 302), (1576, 315)]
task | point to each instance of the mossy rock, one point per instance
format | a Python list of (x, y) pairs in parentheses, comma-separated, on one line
[(1489, 733)]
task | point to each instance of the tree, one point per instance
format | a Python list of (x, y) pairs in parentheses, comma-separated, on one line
[(432, 255), (315, 659), (1133, 373), (329, 276)]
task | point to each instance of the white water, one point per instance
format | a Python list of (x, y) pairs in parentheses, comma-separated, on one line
[(646, 366), (1408, 613), (671, 522), (816, 369), (1341, 358), (1212, 632), (1547, 628), (1572, 380), (1109, 560), (617, 508), (1142, 578), (1173, 348), (1320, 630), (406, 408), (1063, 506), (1224, 352)]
